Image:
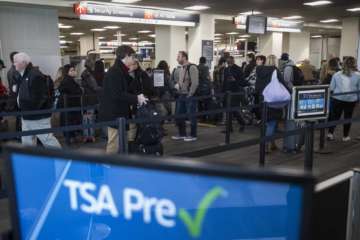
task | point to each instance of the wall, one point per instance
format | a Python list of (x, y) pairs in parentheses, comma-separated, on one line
[(350, 36), (34, 31), (299, 46)]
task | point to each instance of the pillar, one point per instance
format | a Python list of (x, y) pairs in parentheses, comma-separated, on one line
[(33, 30), (169, 40), (350, 35), (299, 46), (271, 43), (89, 42), (205, 30)]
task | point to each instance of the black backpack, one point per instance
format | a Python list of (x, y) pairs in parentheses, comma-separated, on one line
[(149, 133), (299, 78), (204, 87)]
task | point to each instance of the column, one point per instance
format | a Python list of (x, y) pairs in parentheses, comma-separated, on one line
[(299, 46), (89, 42), (350, 35), (169, 40), (205, 30), (271, 43), (33, 30)]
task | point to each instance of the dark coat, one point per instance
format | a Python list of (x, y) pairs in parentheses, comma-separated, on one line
[(115, 101), (235, 83), (72, 91), (34, 93), (263, 78), (91, 88), (141, 83), (249, 68), (13, 78)]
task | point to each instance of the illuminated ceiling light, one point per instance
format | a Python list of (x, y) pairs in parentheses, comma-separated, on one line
[(293, 17), (126, 1), (121, 35), (64, 42), (63, 46), (197, 7), (77, 33), (245, 36), (353, 9), (241, 39), (97, 29), (217, 41), (152, 35), (61, 36), (218, 34), (329, 20), (251, 13), (232, 33), (133, 39), (317, 3), (100, 38), (316, 36), (112, 27), (62, 26), (144, 31)]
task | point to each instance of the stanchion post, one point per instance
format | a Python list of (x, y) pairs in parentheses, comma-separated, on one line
[(122, 134), (264, 111), (309, 146), (228, 119), (322, 138), (66, 113)]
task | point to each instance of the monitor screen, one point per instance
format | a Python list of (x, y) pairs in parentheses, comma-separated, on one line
[(58, 198), (256, 24), (310, 102)]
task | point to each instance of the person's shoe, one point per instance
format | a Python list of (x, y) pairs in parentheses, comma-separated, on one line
[(330, 137), (178, 137), (190, 139), (346, 139)]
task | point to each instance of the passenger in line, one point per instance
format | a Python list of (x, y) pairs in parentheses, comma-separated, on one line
[(34, 95), (347, 80), (309, 72), (186, 78), (250, 66), (234, 82), (70, 92), (115, 101), (331, 69), (204, 88)]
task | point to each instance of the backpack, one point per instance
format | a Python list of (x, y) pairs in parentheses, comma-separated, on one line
[(299, 78), (149, 133), (204, 87)]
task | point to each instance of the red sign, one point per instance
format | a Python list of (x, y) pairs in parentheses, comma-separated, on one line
[(79, 9)]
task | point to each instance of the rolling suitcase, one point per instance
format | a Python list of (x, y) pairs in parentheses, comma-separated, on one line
[(294, 143)]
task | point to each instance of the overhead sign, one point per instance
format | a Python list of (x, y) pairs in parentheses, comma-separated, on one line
[(310, 102), (88, 199), (273, 24), (100, 11)]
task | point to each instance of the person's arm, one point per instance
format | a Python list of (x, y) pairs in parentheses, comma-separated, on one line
[(333, 83), (194, 76), (288, 76), (38, 90)]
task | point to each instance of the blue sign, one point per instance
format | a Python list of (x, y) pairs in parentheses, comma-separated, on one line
[(69, 199)]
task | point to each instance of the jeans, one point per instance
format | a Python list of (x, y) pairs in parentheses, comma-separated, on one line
[(48, 139), (89, 118), (271, 128), (185, 105)]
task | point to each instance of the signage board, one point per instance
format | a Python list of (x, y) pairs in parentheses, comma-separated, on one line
[(310, 102), (273, 24), (101, 11), (159, 78), (98, 197), (256, 24), (207, 49)]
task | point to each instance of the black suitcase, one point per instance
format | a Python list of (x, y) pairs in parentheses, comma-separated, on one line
[(153, 150)]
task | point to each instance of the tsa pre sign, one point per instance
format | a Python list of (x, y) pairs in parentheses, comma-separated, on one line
[(88, 198)]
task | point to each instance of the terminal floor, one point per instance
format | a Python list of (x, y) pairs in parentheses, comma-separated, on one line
[(343, 156)]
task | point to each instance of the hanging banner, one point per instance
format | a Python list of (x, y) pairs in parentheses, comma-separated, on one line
[(273, 24), (100, 11)]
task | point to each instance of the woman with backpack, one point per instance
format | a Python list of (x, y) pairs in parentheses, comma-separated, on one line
[(265, 75), (347, 80), (70, 96)]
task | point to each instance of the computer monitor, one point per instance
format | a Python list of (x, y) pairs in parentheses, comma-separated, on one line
[(62, 195)]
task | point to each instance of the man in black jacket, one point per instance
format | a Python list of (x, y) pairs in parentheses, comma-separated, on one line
[(234, 82), (33, 95), (116, 100)]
